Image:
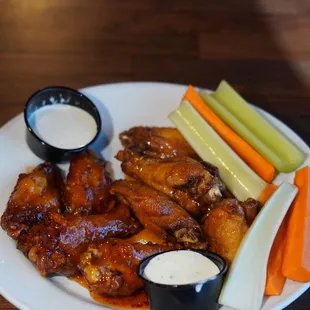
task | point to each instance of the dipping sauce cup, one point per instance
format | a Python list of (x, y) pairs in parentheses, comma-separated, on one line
[(202, 295), (61, 121)]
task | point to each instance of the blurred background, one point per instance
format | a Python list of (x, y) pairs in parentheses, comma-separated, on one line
[(262, 47)]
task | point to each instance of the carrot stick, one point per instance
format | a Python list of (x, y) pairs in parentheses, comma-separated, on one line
[(263, 168), (275, 279), (296, 262), (267, 193)]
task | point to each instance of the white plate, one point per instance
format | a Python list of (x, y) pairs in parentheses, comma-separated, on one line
[(121, 106)]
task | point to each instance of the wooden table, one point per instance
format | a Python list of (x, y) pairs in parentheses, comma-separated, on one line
[(260, 46)]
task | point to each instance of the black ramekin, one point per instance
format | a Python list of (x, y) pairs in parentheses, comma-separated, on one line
[(60, 95), (201, 295)]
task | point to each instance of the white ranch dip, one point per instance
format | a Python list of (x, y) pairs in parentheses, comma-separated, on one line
[(63, 126), (180, 267)]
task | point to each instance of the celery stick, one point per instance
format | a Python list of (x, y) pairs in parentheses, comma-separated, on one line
[(239, 178), (291, 156), (245, 282), (242, 130)]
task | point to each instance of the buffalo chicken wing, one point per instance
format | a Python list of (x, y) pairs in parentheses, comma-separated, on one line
[(55, 246), (225, 227), (110, 267), (158, 213), (34, 195), (86, 190), (183, 179), (251, 208), (157, 142)]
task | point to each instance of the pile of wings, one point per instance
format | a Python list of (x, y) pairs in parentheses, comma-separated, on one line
[(91, 226)]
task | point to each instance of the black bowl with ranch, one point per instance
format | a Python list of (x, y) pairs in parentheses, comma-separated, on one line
[(61, 121), (183, 279)]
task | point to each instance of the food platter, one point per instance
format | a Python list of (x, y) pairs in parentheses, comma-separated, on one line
[(121, 106)]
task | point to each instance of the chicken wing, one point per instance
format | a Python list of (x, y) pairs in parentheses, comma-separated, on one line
[(55, 246), (251, 208), (110, 267), (159, 214), (225, 227), (41, 246), (183, 179), (86, 190), (146, 236), (157, 142), (34, 194)]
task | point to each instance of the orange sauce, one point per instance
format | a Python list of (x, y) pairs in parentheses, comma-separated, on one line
[(138, 300)]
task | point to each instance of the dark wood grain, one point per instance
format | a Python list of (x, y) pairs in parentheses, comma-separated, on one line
[(260, 46)]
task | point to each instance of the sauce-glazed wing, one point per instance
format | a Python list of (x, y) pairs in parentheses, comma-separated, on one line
[(251, 208), (55, 246), (157, 142), (78, 231), (110, 267), (86, 190), (225, 227), (158, 213), (41, 246), (184, 179), (34, 194), (146, 236)]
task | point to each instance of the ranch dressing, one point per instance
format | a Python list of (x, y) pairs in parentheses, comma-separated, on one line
[(180, 267), (63, 126)]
